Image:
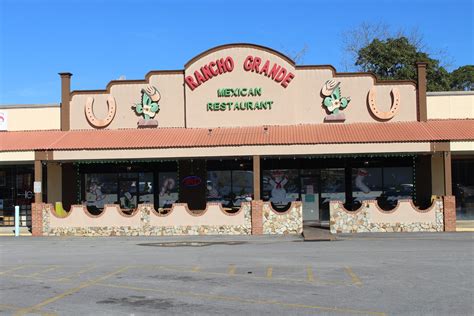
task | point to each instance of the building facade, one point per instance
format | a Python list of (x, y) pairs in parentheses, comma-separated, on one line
[(240, 124)]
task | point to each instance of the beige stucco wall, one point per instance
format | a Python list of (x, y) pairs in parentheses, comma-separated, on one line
[(230, 151), (460, 147), (405, 212), (30, 118), (17, 156), (110, 217), (300, 102), (171, 104), (212, 216), (178, 216), (450, 105), (54, 191), (309, 106)]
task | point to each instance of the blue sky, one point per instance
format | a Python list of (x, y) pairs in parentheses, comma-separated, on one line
[(99, 41)]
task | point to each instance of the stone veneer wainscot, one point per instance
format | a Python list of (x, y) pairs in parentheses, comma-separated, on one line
[(289, 222), (363, 219), (145, 211)]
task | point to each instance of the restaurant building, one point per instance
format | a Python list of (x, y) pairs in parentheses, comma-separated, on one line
[(241, 131)]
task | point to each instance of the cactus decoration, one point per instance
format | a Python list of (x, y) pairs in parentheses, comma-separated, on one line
[(333, 100), (148, 107)]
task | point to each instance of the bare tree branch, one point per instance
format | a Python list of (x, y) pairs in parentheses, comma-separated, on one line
[(297, 56), (358, 37)]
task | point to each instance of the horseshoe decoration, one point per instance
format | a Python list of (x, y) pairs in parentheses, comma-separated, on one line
[(380, 114), (93, 120)]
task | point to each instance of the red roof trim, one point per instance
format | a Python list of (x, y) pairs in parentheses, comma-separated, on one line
[(305, 134)]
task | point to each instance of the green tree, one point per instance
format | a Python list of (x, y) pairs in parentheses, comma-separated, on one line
[(463, 78), (395, 58)]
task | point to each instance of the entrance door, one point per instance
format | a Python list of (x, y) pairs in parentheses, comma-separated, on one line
[(16, 188), (128, 193), (24, 195), (310, 197), (332, 188)]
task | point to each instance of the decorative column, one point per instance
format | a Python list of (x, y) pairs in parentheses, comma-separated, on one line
[(449, 213), (257, 217), (38, 178), (448, 182), (37, 207), (256, 178), (40, 157), (37, 219), (441, 168), (257, 203), (65, 100)]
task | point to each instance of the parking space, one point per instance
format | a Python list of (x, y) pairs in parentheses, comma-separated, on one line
[(121, 276), (186, 282)]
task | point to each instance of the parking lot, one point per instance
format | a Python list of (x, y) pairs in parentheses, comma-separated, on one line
[(391, 274)]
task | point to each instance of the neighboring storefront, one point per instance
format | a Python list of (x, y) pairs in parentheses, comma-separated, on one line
[(16, 188), (463, 187), (240, 123), (458, 105)]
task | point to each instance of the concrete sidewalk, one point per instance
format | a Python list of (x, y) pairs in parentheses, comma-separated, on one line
[(9, 231)]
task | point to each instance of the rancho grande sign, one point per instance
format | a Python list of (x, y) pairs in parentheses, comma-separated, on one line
[(255, 64)]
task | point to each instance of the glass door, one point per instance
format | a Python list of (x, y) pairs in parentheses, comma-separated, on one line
[(310, 194), (16, 188), (332, 188), (24, 195)]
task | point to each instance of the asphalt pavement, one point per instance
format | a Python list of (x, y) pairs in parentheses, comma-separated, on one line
[(367, 274)]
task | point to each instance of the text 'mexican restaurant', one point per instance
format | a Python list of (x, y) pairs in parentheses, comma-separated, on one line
[(241, 141)]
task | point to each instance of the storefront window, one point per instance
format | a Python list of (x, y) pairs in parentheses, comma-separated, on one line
[(463, 188), (280, 186), (219, 186), (242, 186), (332, 189), (128, 184), (398, 183), (101, 189), (229, 187), (128, 193), (387, 185), (126, 189), (168, 182), (146, 188), (366, 184)]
